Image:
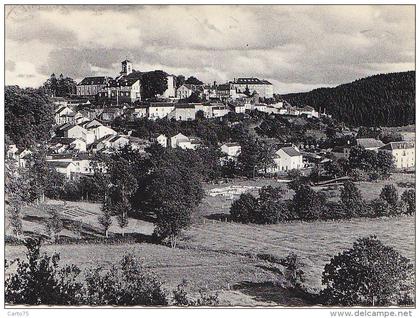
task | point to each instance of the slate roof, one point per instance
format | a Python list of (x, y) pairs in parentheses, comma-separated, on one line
[(397, 145), (94, 80), (181, 106), (369, 143), (161, 104), (62, 140), (59, 164), (251, 80), (231, 144), (292, 152)]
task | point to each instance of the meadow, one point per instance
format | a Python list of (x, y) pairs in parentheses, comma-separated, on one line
[(222, 256)]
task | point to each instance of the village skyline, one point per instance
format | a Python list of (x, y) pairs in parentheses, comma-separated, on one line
[(305, 48)]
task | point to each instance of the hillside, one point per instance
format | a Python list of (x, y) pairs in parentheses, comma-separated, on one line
[(379, 100)]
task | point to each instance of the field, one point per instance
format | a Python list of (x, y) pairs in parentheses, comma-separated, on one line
[(222, 256)]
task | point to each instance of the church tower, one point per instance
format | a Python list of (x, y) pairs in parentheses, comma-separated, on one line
[(126, 67)]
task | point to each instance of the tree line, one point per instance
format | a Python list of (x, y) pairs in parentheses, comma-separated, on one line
[(270, 207), (379, 100)]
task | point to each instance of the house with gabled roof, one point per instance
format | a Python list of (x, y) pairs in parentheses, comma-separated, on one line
[(61, 115), (159, 110), (285, 159), (231, 150), (62, 144), (66, 168)]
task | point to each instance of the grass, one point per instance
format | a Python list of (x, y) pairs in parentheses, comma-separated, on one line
[(222, 256), (315, 243)]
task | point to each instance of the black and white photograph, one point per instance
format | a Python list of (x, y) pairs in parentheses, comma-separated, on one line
[(209, 156)]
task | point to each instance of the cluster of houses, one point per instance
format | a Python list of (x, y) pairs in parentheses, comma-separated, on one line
[(126, 87), (82, 131), (403, 152)]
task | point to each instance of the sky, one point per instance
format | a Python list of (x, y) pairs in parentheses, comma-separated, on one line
[(297, 48)]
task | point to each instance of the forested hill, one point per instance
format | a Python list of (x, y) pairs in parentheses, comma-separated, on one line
[(379, 100)]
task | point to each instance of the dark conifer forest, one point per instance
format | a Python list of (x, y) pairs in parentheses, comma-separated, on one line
[(379, 100)]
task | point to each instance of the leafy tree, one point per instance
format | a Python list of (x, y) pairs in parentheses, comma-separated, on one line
[(336, 168), (40, 281), (351, 198), (180, 80), (409, 197), (105, 219), (247, 91), (153, 83), (297, 179), (29, 116), (308, 203), (266, 155), (171, 190), (368, 274), (244, 208), (389, 193), (54, 224), (193, 80), (249, 158), (384, 164), (61, 87)]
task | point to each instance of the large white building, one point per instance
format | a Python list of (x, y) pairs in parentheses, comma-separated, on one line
[(404, 153), (262, 87), (287, 158)]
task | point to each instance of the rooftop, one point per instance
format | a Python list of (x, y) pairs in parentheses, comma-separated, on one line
[(251, 80), (95, 80), (398, 145), (369, 143), (291, 151)]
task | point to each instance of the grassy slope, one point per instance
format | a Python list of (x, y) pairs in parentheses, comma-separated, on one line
[(213, 253)]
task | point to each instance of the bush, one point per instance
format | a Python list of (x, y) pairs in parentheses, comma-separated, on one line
[(351, 198), (390, 194), (409, 198), (244, 208), (40, 281), (181, 297), (333, 210), (127, 285), (307, 203), (380, 207), (369, 274), (358, 175)]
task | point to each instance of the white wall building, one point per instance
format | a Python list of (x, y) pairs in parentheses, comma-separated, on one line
[(404, 153)]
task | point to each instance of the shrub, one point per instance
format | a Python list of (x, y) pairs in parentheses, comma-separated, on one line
[(351, 198), (368, 274), (40, 281), (357, 174), (308, 203), (126, 285), (380, 207), (409, 198), (333, 210), (390, 194), (181, 297), (244, 208)]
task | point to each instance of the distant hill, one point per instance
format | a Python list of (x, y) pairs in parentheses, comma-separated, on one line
[(379, 100)]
